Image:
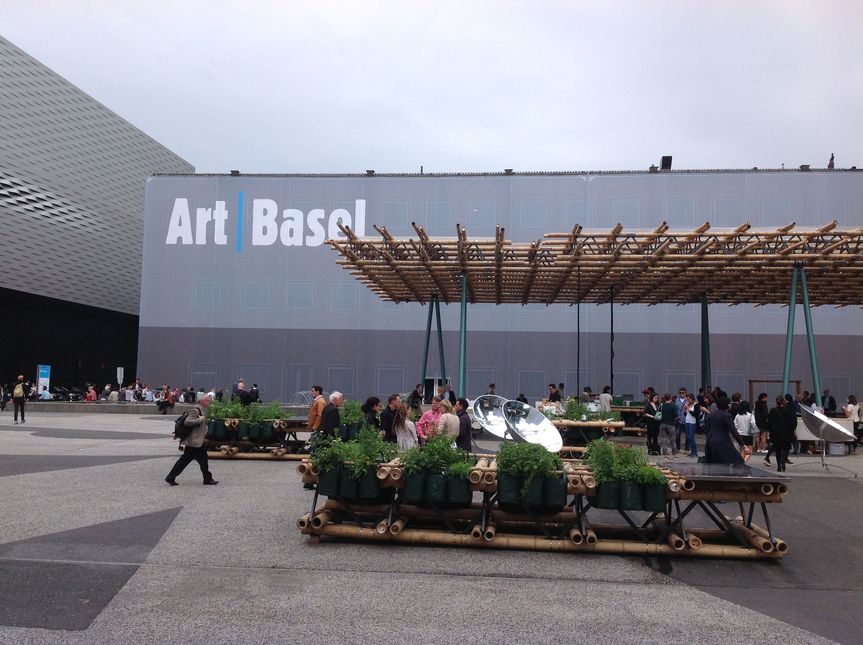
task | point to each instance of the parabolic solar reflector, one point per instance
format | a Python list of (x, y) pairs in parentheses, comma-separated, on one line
[(488, 410), (823, 427), (528, 424)]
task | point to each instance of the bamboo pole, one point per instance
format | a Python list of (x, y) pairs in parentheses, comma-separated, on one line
[(321, 519), (759, 542), (396, 474), (476, 532), (693, 541), (303, 522), (676, 542), (536, 543), (575, 536), (490, 531), (265, 456), (383, 526), (767, 489), (398, 526), (729, 496), (780, 545)]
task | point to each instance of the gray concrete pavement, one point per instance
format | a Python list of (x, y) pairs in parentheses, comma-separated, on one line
[(96, 548)]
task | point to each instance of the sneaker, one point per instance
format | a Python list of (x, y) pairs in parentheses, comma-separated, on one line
[(789, 462), (767, 462), (171, 482), (212, 482)]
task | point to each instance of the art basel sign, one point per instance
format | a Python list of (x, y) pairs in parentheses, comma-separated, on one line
[(290, 227)]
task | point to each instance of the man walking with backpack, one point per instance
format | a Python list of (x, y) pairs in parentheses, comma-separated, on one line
[(195, 425), (19, 397)]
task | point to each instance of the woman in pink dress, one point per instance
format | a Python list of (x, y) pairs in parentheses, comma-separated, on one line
[(428, 421)]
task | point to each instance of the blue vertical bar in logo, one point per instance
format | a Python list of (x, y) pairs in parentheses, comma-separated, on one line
[(240, 222)]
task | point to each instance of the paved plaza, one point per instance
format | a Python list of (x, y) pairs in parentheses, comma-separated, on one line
[(96, 548)]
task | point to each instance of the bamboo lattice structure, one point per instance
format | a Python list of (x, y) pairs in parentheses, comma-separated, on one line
[(726, 266)]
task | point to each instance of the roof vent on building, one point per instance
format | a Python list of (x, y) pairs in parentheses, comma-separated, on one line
[(508, 171), (653, 168), (235, 173), (370, 173), (666, 162), (804, 167)]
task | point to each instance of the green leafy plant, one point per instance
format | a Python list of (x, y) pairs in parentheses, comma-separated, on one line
[(574, 410), (413, 460), (374, 447), (258, 412), (527, 460), (437, 455), (650, 476), (359, 457), (600, 456), (627, 456), (459, 470), (328, 453), (225, 410), (351, 412)]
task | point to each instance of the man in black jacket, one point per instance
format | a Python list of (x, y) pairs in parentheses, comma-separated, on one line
[(464, 434), (388, 416), (330, 418), (828, 403)]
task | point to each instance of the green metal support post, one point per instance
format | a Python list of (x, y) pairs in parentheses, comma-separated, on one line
[(428, 340), (462, 338), (810, 334), (440, 341), (789, 333), (705, 344)]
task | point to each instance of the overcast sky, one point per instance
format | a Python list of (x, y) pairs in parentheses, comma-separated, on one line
[(285, 86)]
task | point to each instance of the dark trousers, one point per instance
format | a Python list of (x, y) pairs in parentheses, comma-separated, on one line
[(19, 405), (189, 455), (781, 455)]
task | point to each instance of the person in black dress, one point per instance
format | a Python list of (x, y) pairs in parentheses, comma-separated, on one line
[(781, 432), (719, 448)]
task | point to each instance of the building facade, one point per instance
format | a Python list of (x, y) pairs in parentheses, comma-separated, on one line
[(257, 294), (72, 178)]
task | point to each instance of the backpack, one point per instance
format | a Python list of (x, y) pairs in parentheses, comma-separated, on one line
[(180, 429), (18, 392)]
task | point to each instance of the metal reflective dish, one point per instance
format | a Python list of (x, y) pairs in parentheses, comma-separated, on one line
[(488, 411), (530, 425), (823, 427)]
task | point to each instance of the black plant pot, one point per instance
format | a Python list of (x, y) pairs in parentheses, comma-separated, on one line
[(607, 495), (458, 491), (254, 432), (554, 493), (267, 434), (534, 492), (328, 482), (508, 489), (435, 491), (348, 484), (654, 498), (630, 496), (414, 490), (368, 488)]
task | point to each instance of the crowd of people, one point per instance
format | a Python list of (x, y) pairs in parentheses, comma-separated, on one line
[(673, 422), (399, 422)]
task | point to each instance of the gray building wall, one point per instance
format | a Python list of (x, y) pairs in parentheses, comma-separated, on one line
[(72, 178), (225, 296)]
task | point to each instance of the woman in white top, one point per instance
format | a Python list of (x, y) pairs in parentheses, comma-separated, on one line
[(406, 431), (852, 411), (744, 422)]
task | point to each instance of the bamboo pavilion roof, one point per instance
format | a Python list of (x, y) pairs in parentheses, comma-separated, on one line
[(731, 266)]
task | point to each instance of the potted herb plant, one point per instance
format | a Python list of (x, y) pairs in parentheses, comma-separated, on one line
[(458, 485), (527, 473), (600, 456), (352, 418), (653, 489)]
